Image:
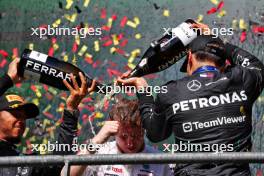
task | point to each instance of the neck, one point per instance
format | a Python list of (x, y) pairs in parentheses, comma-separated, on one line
[(202, 64)]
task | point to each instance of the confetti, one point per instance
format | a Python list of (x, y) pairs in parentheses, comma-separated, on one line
[(138, 36), (69, 4), (234, 24), (221, 14), (166, 13), (96, 46), (103, 13), (131, 24), (82, 50), (200, 18), (243, 36), (3, 53), (15, 53), (123, 21), (242, 24), (86, 3), (31, 46), (215, 2), (56, 23)]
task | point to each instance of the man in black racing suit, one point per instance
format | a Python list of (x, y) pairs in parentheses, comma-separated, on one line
[(14, 109), (210, 107)]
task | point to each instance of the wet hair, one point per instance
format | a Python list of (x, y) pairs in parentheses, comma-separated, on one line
[(206, 56), (126, 111)]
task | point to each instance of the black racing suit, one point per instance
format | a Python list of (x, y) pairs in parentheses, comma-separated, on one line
[(67, 132), (211, 109)]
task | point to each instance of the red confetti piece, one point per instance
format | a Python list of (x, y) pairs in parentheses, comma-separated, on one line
[(215, 9), (120, 36), (49, 115), (51, 51), (120, 51), (18, 85), (243, 36), (106, 38), (106, 28), (220, 5), (88, 99), (3, 53), (3, 63), (33, 87), (123, 21), (258, 29), (103, 13), (112, 72), (108, 43), (53, 40), (211, 11), (89, 60), (124, 43), (74, 47), (114, 17), (43, 26), (95, 64), (106, 105), (15, 53), (46, 88)]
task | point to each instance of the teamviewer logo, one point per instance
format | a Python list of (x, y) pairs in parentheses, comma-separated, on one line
[(187, 127)]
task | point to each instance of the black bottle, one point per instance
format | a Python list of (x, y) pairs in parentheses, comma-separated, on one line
[(167, 50), (49, 70)]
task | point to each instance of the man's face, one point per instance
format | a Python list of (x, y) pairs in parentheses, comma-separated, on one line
[(12, 125), (130, 139)]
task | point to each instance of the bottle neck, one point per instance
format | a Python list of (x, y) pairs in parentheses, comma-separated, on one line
[(206, 68)]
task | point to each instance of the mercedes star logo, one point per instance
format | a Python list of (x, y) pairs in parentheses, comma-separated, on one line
[(194, 85)]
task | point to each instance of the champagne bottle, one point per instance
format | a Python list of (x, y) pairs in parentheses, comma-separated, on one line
[(167, 50), (49, 70)]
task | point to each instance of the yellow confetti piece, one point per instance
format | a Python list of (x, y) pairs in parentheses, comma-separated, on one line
[(221, 14), (35, 101), (99, 115), (131, 59), (65, 58), (79, 126), (69, 4), (56, 23), (130, 65), (115, 39), (53, 91), (234, 24), (46, 122), (74, 60), (32, 139), (26, 132), (55, 46), (45, 141), (38, 93), (31, 46), (242, 24), (136, 20), (131, 24), (88, 55), (96, 46), (109, 22), (166, 13), (77, 39), (112, 50), (138, 36), (200, 18), (86, 3), (215, 2), (82, 50), (72, 17), (47, 108), (135, 52)]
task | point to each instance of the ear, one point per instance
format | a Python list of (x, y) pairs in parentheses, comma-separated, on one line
[(189, 58)]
